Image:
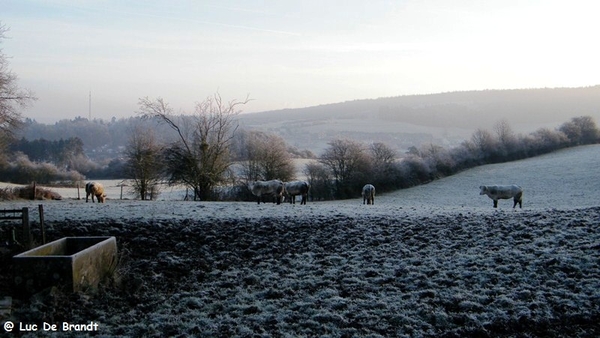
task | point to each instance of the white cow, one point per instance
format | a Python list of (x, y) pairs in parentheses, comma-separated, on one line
[(294, 188), (368, 194), (267, 188), (496, 192)]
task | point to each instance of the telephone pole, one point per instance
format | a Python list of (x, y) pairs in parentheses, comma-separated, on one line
[(90, 107)]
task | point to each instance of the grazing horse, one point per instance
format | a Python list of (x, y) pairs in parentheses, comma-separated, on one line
[(94, 189), (496, 192), (267, 188), (296, 188), (368, 194)]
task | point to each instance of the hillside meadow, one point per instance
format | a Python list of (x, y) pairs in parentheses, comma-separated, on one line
[(434, 260)]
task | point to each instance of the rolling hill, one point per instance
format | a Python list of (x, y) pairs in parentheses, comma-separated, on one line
[(445, 118), (566, 178)]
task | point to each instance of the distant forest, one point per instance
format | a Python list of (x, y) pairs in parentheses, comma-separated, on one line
[(465, 109), (101, 141)]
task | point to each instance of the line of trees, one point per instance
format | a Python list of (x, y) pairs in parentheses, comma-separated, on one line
[(63, 153), (345, 166), (52, 162), (22, 170)]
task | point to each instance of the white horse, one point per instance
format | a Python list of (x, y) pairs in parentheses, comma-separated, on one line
[(267, 188), (496, 192), (296, 188)]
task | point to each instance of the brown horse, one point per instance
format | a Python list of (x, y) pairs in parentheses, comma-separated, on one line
[(95, 189)]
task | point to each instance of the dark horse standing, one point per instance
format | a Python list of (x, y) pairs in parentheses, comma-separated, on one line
[(368, 194)]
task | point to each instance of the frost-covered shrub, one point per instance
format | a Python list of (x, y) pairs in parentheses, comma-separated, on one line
[(26, 192), (581, 130), (414, 171), (23, 171)]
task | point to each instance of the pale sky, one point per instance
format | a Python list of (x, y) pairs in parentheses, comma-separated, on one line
[(289, 54)]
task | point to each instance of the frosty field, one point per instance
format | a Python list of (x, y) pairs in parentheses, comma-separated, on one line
[(435, 260)]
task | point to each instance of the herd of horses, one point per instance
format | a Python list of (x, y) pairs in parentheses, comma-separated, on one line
[(289, 190), (279, 191)]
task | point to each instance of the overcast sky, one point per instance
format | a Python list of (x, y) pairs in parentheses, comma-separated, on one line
[(289, 54)]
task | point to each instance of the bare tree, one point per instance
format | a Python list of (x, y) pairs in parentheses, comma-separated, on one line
[(12, 98), (251, 170), (200, 157), (319, 179), (485, 145), (349, 165), (144, 165), (504, 132), (383, 155), (506, 137), (383, 163), (267, 158)]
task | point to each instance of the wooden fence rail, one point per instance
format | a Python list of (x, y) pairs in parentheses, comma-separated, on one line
[(23, 216)]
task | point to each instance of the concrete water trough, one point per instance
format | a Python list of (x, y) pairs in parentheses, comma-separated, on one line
[(75, 263)]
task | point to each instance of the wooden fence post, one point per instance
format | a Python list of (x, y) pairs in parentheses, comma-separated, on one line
[(33, 191), (43, 228), (26, 229)]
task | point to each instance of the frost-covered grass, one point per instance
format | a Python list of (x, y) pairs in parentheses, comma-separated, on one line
[(459, 274), (435, 260)]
